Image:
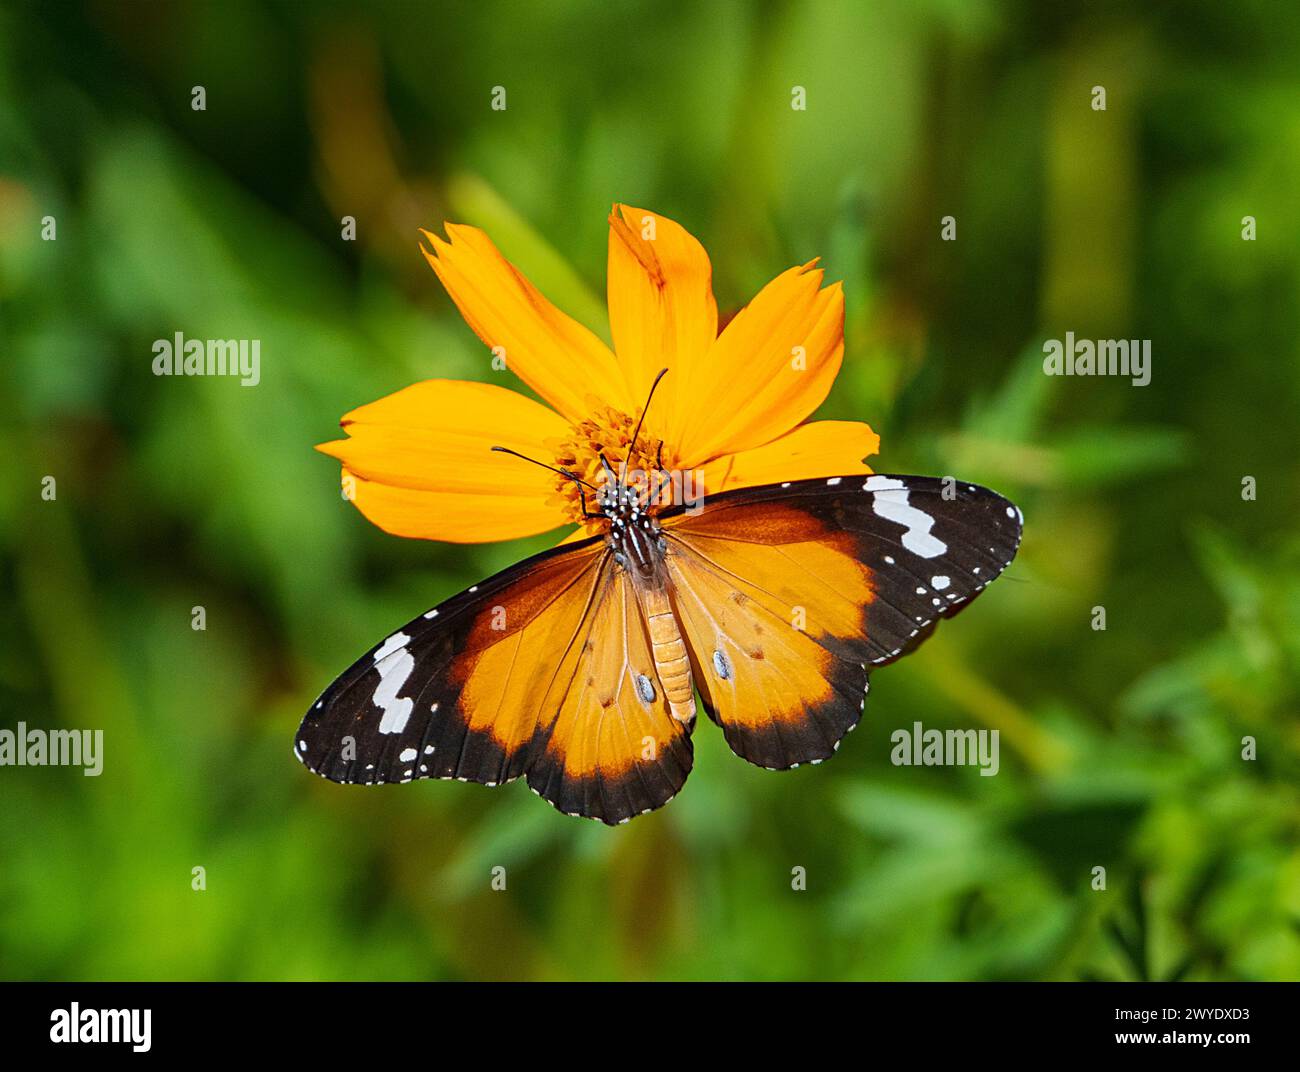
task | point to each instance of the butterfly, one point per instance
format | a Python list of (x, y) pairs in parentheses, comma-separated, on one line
[(578, 668)]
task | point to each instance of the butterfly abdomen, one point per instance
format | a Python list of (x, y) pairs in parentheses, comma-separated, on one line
[(668, 650)]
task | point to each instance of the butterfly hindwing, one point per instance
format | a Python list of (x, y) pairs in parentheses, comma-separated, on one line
[(784, 689), (791, 594), (613, 750)]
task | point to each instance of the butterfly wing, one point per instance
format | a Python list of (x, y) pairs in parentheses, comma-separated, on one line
[(789, 596), (535, 672)]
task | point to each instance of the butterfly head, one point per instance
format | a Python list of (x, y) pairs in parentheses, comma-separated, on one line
[(625, 494), (622, 499)]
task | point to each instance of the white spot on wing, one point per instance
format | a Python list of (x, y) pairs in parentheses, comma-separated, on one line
[(939, 583), (397, 640), (890, 502), (407, 755), (722, 665), (394, 664)]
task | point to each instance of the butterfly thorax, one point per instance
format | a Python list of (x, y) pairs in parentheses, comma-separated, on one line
[(634, 533)]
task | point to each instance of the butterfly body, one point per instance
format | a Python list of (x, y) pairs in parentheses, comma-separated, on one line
[(578, 667), (640, 550)]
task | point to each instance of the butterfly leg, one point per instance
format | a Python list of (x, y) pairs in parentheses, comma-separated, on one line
[(582, 497)]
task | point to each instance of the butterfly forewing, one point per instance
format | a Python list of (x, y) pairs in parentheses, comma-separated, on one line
[(456, 692), (791, 594)]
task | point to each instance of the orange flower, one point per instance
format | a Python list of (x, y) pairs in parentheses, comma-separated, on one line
[(731, 410)]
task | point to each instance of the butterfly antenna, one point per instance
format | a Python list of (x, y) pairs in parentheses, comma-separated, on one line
[(563, 472), (644, 410)]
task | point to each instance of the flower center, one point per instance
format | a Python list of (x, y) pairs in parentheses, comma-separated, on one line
[(609, 432)]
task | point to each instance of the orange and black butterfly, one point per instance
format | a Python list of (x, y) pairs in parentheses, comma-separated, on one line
[(578, 667)]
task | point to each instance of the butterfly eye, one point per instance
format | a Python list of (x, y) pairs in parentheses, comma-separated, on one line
[(722, 665)]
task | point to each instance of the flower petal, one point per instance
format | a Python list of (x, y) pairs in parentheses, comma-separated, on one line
[(556, 356), (661, 309), (773, 364), (818, 449), (421, 462)]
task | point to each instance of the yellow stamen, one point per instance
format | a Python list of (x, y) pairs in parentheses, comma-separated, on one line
[(609, 432)]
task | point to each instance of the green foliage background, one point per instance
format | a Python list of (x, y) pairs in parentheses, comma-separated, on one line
[(1120, 748)]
